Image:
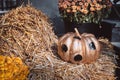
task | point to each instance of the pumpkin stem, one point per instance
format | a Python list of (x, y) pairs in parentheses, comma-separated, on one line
[(77, 32)]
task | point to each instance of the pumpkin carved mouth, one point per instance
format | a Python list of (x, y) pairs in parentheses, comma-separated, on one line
[(78, 57)]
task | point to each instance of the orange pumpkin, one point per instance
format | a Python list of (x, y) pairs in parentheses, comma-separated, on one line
[(76, 48)]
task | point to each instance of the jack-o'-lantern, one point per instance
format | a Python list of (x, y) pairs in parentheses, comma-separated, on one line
[(76, 48)]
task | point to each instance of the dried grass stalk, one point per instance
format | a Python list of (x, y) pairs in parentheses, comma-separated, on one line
[(27, 33), (53, 68)]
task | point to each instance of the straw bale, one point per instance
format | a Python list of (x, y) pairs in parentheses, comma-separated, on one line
[(53, 68), (26, 32)]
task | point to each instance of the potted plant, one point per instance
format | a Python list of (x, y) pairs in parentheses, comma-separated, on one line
[(86, 15)]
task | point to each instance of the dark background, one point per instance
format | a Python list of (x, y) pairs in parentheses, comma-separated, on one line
[(50, 8)]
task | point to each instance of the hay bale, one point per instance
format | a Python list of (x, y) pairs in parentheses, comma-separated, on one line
[(27, 33), (53, 68)]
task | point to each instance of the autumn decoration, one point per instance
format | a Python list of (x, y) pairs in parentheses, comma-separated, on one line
[(13, 68), (27, 33), (84, 11), (76, 48)]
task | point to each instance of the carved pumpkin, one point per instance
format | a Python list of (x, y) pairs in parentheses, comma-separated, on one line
[(76, 48)]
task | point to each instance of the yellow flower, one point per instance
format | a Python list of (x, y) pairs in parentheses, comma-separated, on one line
[(85, 11), (2, 74), (85, 7), (73, 3), (64, 6), (68, 10), (94, 2), (12, 67), (99, 0), (8, 60), (17, 60), (6, 66), (98, 7), (74, 7), (86, 4), (74, 11), (78, 8), (8, 74), (91, 4), (16, 69), (80, 3), (2, 67), (92, 9), (26, 71), (2, 59), (88, 1)]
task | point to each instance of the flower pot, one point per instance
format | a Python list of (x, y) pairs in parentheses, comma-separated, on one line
[(104, 31), (82, 28)]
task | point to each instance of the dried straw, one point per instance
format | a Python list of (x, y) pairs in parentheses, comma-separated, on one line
[(27, 33), (53, 68)]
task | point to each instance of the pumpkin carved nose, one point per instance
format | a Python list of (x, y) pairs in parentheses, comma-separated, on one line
[(78, 58)]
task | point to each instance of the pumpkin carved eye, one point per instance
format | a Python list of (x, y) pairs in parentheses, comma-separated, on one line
[(78, 58), (64, 48), (77, 37), (92, 46)]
